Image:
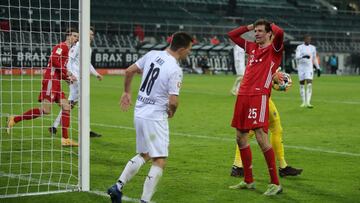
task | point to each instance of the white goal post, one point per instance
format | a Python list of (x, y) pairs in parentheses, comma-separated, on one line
[(32, 160)]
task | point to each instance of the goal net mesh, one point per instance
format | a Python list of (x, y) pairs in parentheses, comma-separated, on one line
[(33, 161)]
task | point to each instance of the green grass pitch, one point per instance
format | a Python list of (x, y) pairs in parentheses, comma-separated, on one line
[(324, 141)]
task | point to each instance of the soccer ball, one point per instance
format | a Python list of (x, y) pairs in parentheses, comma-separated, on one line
[(281, 81)]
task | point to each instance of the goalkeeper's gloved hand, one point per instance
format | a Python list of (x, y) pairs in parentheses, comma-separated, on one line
[(318, 71)]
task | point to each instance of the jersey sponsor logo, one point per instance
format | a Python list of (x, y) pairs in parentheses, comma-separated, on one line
[(145, 100), (252, 59), (58, 51)]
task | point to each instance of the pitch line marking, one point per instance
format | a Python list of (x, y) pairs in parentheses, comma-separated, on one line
[(232, 140), (279, 98)]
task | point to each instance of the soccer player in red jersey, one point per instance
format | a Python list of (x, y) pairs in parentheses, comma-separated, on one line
[(252, 104), (51, 88)]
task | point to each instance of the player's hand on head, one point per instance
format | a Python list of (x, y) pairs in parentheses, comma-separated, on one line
[(125, 101), (250, 27)]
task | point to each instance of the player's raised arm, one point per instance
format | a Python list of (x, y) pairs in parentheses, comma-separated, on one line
[(278, 41), (125, 101), (235, 35)]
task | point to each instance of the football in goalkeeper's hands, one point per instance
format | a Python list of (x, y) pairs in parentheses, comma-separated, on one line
[(281, 81)]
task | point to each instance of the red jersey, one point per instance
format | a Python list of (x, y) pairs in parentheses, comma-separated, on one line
[(262, 62), (54, 73), (56, 69)]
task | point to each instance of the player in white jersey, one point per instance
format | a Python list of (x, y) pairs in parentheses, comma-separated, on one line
[(239, 63), (306, 59), (73, 65), (157, 101)]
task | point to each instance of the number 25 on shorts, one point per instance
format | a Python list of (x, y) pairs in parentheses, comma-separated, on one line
[(252, 113)]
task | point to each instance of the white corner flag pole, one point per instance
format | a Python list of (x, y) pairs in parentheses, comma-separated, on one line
[(84, 124)]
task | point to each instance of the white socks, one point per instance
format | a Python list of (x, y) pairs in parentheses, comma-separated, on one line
[(131, 168), (57, 120), (302, 94), (308, 93), (151, 181)]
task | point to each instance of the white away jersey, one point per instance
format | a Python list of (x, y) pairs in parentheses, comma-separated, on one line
[(239, 60), (161, 77), (73, 64), (304, 63)]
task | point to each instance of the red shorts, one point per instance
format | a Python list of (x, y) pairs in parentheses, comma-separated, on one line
[(51, 91), (251, 112)]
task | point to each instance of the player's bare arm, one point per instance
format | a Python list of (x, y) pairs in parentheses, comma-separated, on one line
[(173, 104), (235, 35), (125, 100)]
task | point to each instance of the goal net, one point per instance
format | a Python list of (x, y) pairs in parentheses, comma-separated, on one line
[(32, 160)]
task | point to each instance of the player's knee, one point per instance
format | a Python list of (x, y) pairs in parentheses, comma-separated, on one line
[(276, 130), (241, 140), (262, 140), (46, 110), (65, 107), (145, 156), (160, 162)]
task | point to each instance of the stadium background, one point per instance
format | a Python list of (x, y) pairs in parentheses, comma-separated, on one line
[(126, 29)]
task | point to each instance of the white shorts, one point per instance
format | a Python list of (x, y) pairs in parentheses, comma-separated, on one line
[(74, 92), (152, 137), (305, 74)]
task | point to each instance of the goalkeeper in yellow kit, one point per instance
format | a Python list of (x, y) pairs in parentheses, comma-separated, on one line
[(276, 142)]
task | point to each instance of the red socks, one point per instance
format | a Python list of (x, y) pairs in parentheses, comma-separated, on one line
[(246, 158), (270, 160), (65, 122), (31, 114)]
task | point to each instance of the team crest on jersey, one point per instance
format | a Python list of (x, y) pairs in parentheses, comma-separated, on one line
[(59, 51), (179, 85)]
